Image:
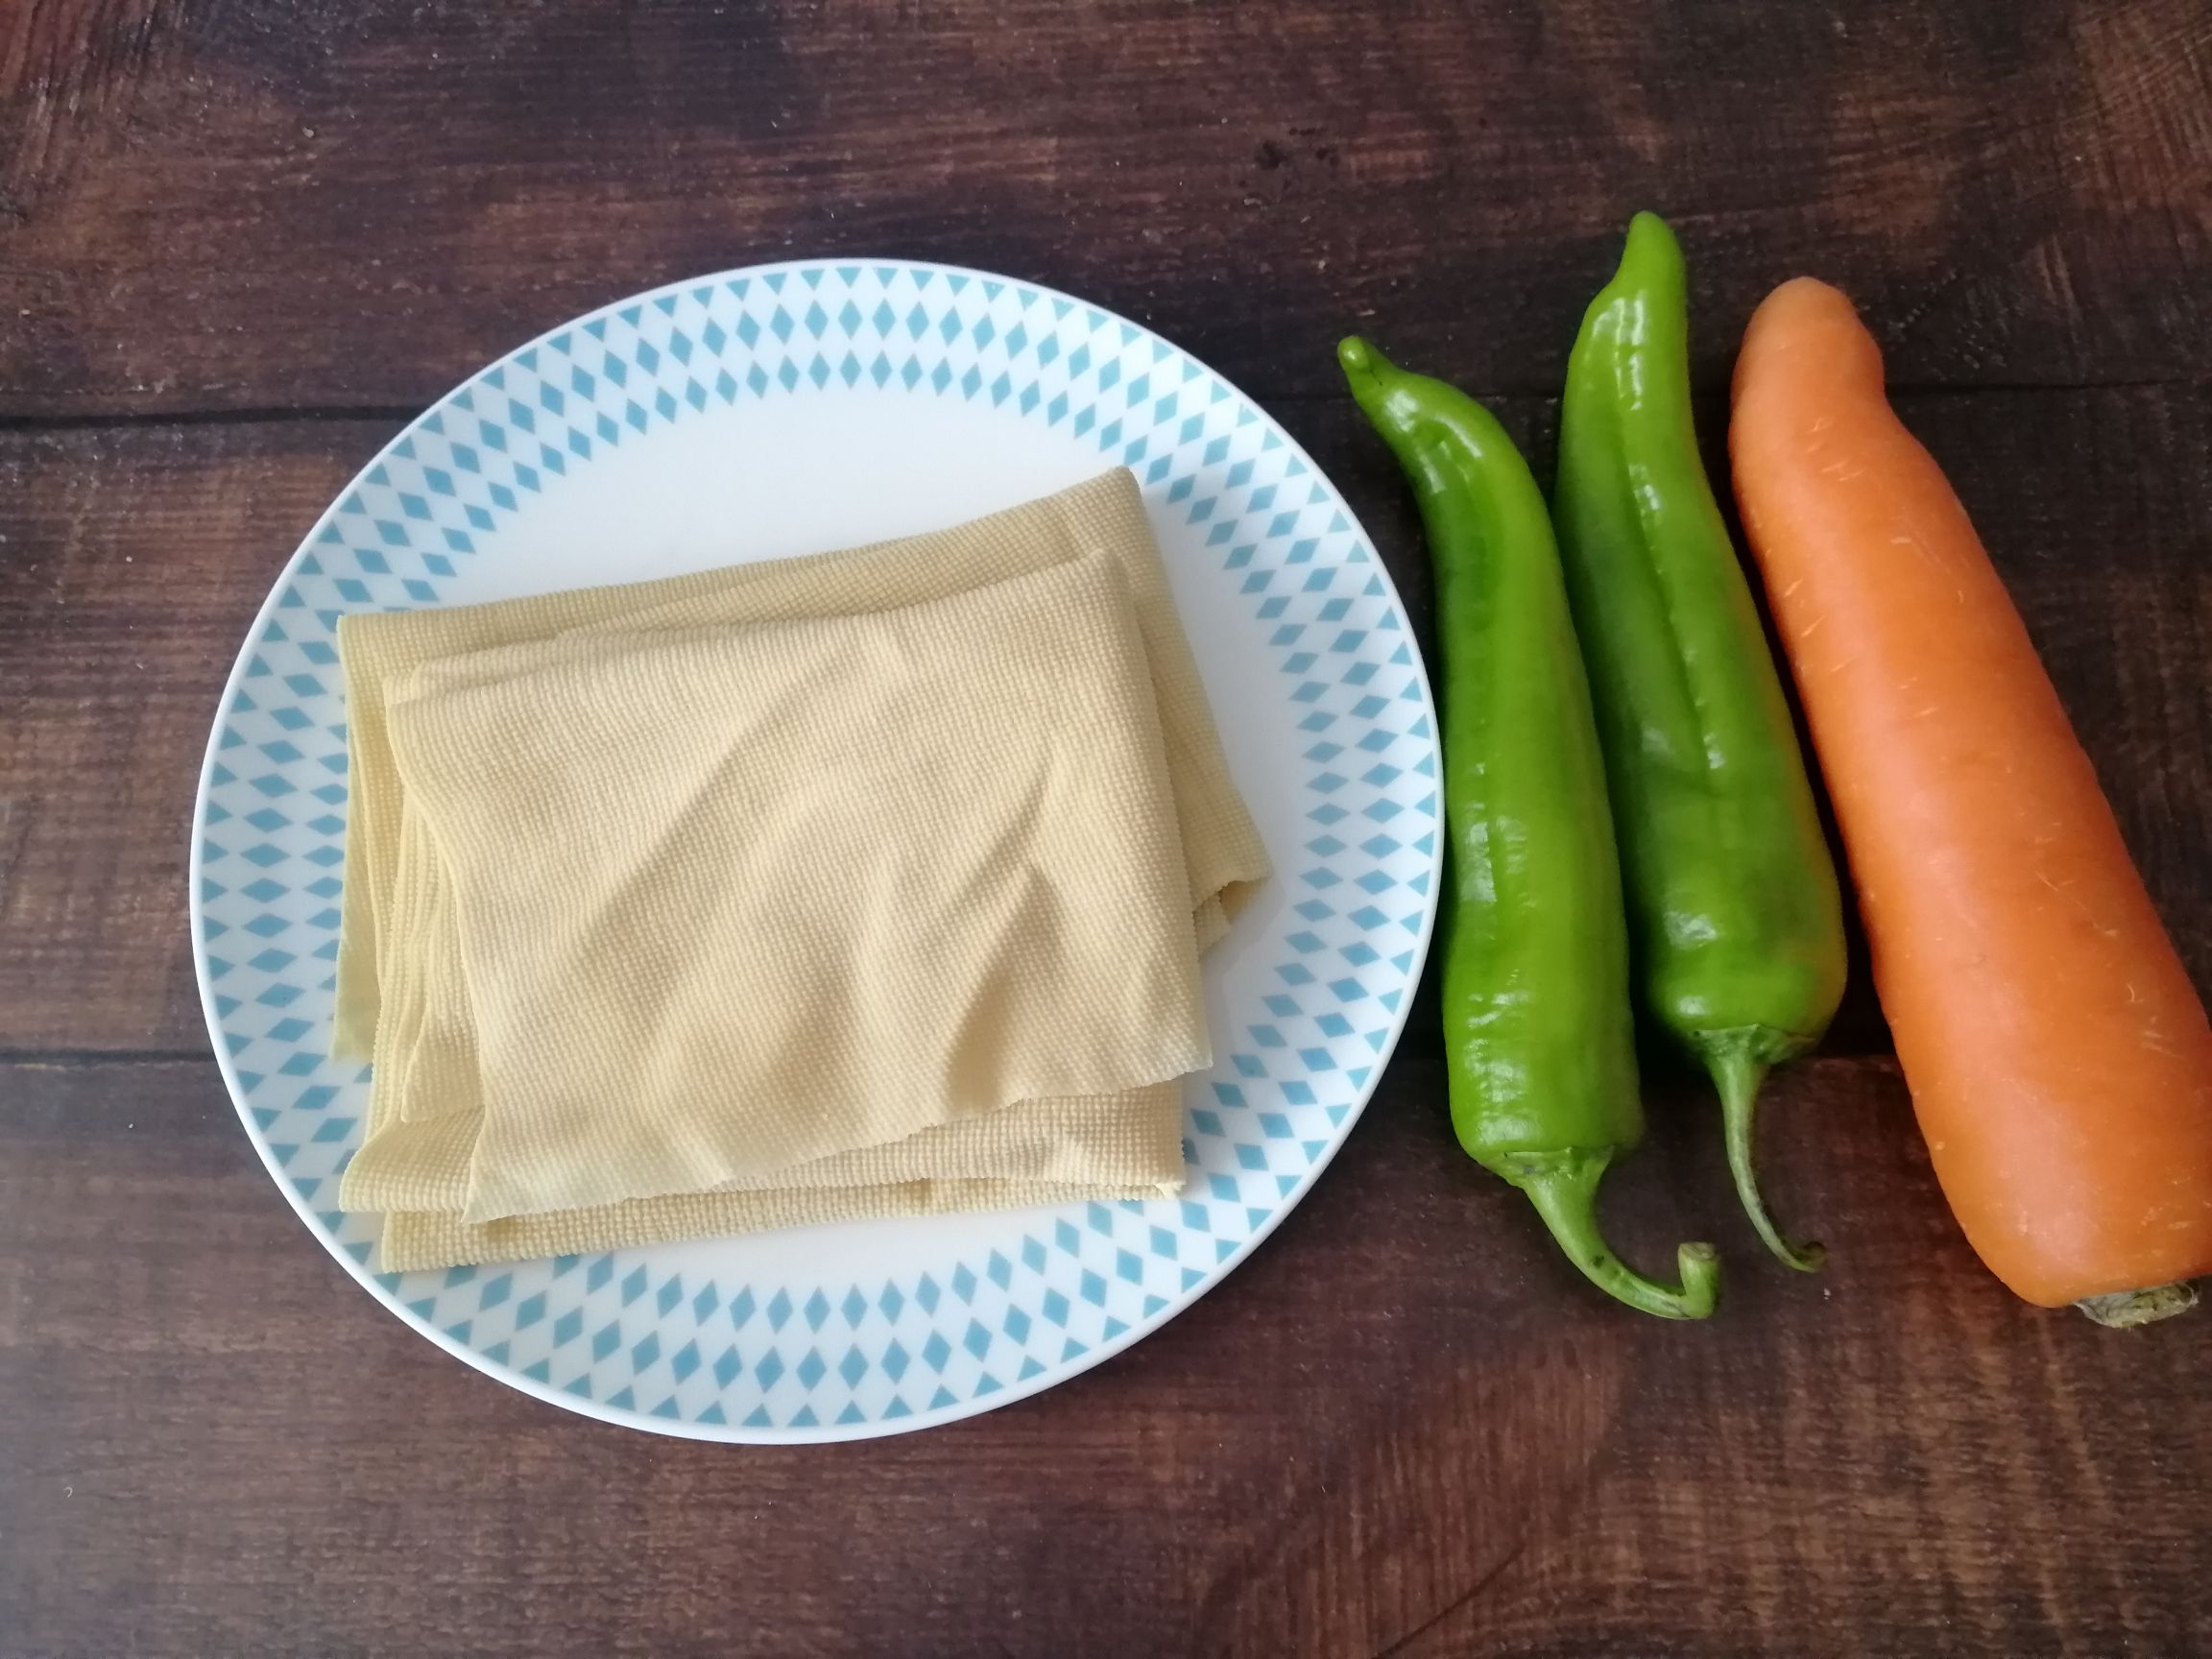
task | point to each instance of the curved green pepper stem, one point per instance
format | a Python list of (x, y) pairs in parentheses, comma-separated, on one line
[(1563, 1186), (1738, 1077), (1736, 1072)]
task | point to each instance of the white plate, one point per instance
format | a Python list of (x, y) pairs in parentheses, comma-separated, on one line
[(788, 409)]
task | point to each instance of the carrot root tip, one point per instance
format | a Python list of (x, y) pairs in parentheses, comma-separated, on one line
[(2125, 1309)]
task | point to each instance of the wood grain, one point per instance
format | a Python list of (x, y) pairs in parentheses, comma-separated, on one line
[(132, 562), (285, 204), (1402, 1428)]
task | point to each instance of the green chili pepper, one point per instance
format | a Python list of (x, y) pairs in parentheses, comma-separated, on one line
[(1735, 917), (1537, 1016)]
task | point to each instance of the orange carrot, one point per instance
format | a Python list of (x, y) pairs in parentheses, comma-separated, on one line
[(2058, 1057)]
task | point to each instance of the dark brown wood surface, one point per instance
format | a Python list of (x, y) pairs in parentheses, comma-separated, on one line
[(241, 241)]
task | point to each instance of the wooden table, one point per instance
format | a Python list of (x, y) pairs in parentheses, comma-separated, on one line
[(242, 241)]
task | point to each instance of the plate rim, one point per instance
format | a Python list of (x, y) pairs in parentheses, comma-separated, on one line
[(735, 1433)]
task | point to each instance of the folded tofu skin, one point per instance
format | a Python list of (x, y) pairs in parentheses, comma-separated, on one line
[(868, 883)]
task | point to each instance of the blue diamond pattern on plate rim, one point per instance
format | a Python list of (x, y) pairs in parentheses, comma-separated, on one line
[(611, 1333)]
